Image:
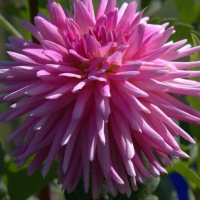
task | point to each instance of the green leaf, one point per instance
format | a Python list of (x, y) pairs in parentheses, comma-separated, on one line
[(79, 193), (193, 154), (95, 5), (3, 191), (66, 4), (167, 10), (194, 101), (183, 31), (120, 2), (19, 11), (20, 185), (163, 192), (42, 3), (3, 188), (145, 3), (2, 154), (144, 190), (9, 27), (188, 10), (152, 197), (186, 172), (196, 55)]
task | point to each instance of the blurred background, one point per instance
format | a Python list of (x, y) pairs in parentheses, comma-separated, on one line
[(182, 183)]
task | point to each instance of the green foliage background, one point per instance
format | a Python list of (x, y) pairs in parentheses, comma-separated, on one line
[(184, 15)]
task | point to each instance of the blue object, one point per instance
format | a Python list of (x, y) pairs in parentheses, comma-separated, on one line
[(180, 185)]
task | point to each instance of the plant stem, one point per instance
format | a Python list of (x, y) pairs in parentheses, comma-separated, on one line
[(33, 7), (9, 27)]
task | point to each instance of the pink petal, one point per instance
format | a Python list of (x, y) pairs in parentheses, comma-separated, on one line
[(88, 4), (102, 104), (101, 8), (110, 6), (49, 31), (83, 17), (103, 151), (58, 16), (83, 97)]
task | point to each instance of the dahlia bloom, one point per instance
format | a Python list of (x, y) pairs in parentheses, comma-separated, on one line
[(97, 93)]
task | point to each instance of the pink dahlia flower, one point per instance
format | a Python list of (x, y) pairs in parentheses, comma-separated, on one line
[(97, 91)]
